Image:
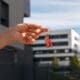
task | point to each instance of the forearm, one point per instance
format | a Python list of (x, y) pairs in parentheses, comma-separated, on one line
[(5, 39)]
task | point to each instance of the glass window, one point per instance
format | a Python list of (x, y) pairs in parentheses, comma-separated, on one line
[(76, 38), (43, 59), (54, 36), (62, 58), (60, 43), (41, 37), (4, 13), (54, 44), (66, 50), (76, 46), (60, 51)]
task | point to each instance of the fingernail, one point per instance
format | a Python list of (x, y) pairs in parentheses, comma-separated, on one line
[(33, 40), (38, 30), (24, 34)]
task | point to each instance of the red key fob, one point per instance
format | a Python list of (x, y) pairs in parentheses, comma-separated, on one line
[(48, 41)]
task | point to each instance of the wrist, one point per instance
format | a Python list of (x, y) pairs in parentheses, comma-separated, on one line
[(5, 39), (8, 36), (13, 34)]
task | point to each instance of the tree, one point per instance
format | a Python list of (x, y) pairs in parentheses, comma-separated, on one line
[(55, 62), (55, 74), (74, 62), (75, 67)]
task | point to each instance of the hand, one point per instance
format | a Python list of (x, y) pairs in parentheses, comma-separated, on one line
[(26, 33)]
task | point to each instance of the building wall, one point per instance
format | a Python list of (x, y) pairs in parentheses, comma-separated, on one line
[(75, 39), (46, 54), (27, 8), (17, 10), (58, 32)]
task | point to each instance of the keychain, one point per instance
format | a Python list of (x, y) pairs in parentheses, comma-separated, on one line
[(48, 41)]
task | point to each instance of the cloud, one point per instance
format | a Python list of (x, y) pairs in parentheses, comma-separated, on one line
[(51, 19), (55, 2), (55, 14), (55, 6), (60, 15)]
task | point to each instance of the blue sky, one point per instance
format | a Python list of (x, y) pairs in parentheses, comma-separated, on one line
[(55, 14)]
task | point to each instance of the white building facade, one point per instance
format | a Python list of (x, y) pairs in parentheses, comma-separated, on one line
[(65, 44)]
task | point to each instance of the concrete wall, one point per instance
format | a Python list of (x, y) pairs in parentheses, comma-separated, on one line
[(75, 39), (17, 9), (27, 8)]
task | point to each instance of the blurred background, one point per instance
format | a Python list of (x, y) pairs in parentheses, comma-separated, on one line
[(61, 61), (55, 14)]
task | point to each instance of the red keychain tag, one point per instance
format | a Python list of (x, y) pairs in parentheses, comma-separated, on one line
[(48, 41)]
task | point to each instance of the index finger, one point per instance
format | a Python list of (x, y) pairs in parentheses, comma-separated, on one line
[(36, 27), (33, 26)]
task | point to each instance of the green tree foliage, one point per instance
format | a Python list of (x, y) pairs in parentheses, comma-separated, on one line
[(74, 73), (55, 62), (75, 67), (74, 62), (55, 74)]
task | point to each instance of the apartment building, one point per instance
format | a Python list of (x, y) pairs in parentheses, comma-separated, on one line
[(65, 43)]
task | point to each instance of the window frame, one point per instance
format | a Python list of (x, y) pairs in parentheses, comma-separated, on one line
[(4, 20)]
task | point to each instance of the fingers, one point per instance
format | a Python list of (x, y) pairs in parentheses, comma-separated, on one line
[(27, 27), (32, 26), (33, 35), (30, 32), (29, 39), (35, 28), (21, 28)]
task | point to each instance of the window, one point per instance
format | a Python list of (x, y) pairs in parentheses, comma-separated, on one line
[(54, 44), (51, 51), (54, 36), (60, 43), (41, 37), (38, 45), (70, 50), (64, 36), (55, 51), (60, 51), (43, 51), (76, 38), (62, 58), (67, 58), (4, 13), (75, 46), (59, 36), (66, 50), (43, 59)]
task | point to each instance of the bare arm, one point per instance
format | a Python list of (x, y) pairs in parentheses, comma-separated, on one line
[(15, 34), (5, 39)]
